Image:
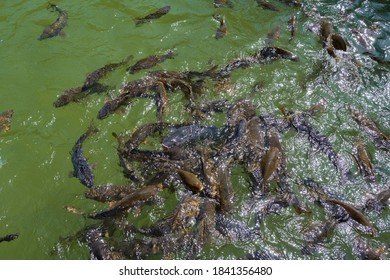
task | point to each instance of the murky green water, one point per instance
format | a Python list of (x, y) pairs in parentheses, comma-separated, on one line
[(34, 154)]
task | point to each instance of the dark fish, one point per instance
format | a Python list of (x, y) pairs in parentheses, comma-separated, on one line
[(149, 62), (273, 35), (9, 237), (363, 160), (292, 25), (326, 28), (234, 230), (138, 195), (82, 169), (335, 42), (294, 3), (108, 193), (93, 77), (56, 27), (276, 53), (157, 14), (128, 91), (223, 3), (189, 134), (191, 181), (98, 247), (5, 120), (380, 139), (222, 29), (316, 139), (317, 235), (266, 5), (69, 95)]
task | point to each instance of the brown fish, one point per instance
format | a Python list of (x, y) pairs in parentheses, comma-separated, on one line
[(191, 181), (269, 165), (363, 160), (326, 28), (5, 119), (273, 35), (354, 214), (157, 14), (56, 27), (150, 62), (108, 193)]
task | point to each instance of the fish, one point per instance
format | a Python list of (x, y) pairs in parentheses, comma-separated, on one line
[(233, 229), (292, 26), (271, 53), (380, 139), (355, 214), (222, 29), (191, 181), (155, 15), (99, 249), (223, 3), (317, 235), (5, 120), (269, 165), (108, 193), (266, 5), (189, 134), (9, 237), (69, 95), (335, 42), (364, 163), (142, 194), (378, 202), (56, 27), (273, 35), (82, 169), (150, 62), (93, 77), (326, 28), (369, 252), (181, 218)]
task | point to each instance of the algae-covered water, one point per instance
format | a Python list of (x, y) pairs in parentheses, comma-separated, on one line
[(35, 160)]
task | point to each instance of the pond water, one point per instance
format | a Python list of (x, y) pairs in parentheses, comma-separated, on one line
[(35, 160)]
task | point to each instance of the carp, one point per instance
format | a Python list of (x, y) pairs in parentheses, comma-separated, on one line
[(56, 27), (223, 3), (380, 139), (179, 219), (150, 62), (222, 29), (99, 249), (369, 252), (379, 201), (191, 181), (5, 120), (269, 164), (266, 5), (130, 200), (272, 53), (93, 77), (189, 134), (155, 15), (9, 237), (82, 169), (355, 214), (363, 161), (326, 28), (292, 23), (234, 230), (317, 235), (108, 193)]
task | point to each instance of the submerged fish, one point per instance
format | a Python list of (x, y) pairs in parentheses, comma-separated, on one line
[(269, 165), (292, 25), (9, 237), (56, 27), (149, 62), (5, 119), (157, 14), (222, 29), (82, 169), (364, 163), (98, 247), (275, 53), (273, 35), (266, 5), (93, 77)]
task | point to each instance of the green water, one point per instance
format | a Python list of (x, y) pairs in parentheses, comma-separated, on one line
[(34, 154)]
